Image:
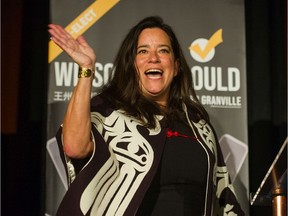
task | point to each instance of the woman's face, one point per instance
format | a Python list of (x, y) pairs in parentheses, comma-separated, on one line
[(156, 64)]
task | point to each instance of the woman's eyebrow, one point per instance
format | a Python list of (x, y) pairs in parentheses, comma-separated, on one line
[(160, 45), (142, 46)]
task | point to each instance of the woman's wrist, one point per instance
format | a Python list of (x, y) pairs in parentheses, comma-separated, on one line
[(85, 72)]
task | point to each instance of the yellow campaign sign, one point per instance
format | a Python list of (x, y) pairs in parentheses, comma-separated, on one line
[(82, 23)]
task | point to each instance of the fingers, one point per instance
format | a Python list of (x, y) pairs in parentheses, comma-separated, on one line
[(81, 40), (58, 32), (63, 39), (60, 36), (78, 49)]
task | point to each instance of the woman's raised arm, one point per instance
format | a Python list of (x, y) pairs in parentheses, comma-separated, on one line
[(76, 130)]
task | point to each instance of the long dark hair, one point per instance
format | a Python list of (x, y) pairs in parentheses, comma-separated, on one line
[(123, 90)]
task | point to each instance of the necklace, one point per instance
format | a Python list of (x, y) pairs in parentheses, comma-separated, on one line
[(170, 133)]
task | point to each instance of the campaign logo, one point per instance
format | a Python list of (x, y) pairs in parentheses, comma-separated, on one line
[(203, 50), (220, 83)]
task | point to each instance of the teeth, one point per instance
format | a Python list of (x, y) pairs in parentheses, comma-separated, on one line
[(153, 71)]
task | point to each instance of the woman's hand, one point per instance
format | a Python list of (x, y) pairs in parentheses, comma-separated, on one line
[(78, 49)]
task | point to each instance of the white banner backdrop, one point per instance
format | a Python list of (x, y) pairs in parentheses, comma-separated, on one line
[(212, 35)]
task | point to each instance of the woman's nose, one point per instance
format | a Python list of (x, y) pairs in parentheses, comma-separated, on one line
[(154, 57)]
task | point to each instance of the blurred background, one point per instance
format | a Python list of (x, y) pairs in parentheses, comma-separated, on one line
[(24, 77)]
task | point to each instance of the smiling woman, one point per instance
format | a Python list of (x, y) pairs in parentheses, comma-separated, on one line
[(144, 145), (156, 64)]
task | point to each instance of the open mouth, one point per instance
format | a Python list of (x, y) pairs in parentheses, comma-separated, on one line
[(154, 73)]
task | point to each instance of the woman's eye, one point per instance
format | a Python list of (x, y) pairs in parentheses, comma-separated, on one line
[(164, 51), (141, 51)]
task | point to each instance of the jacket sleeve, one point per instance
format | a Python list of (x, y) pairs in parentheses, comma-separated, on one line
[(226, 199), (72, 166)]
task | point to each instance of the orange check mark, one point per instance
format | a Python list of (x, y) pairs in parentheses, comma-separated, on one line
[(213, 41)]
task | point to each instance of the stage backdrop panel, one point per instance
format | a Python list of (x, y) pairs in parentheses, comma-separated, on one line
[(212, 35)]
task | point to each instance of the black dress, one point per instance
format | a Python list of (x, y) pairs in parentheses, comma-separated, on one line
[(179, 185)]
